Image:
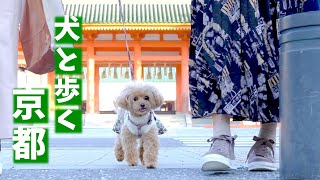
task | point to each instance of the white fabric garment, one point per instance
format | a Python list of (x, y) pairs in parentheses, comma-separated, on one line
[(10, 12), (143, 120)]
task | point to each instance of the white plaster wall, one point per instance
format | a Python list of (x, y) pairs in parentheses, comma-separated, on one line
[(29, 79), (109, 91)]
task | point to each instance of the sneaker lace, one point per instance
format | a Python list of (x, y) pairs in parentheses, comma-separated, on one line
[(261, 146), (227, 145)]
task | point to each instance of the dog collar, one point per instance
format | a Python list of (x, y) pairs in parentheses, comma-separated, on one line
[(139, 126)]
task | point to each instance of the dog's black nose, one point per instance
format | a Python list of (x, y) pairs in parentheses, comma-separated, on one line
[(142, 105)]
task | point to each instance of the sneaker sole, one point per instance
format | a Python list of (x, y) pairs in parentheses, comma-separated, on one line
[(262, 166), (215, 162)]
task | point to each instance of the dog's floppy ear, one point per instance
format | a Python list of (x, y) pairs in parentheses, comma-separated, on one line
[(122, 101), (158, 98)]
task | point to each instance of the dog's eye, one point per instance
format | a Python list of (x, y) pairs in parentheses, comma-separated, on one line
[(135, 98), (146, 98)]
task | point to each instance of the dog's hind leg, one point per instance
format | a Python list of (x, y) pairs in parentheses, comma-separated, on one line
[(141, 151), (151, 144), (118, 151), (129, 144)]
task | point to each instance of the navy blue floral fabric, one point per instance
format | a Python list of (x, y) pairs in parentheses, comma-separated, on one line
[(233, 65)]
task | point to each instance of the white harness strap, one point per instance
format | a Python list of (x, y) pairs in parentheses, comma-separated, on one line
[(139, 126), (125, 37)]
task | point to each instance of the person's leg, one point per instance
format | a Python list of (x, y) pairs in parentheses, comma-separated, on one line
[(10, 12), (268, 131), (221, 125), (222, 147), (261, 155)]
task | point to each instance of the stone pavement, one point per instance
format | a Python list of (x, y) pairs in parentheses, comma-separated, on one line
[(174, 163), (96, 161)]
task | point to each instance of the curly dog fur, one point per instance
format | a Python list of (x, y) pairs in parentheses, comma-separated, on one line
[(135, 110)]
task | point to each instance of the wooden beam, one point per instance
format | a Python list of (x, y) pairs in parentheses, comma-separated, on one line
[(50, 81), (157, 49), (162, 49), (179, 98), (90, 81), (161, 58), (111, 49), (185, 79), (96, 88), (137, 63), (112, 58), (134, 43), (143, 58)]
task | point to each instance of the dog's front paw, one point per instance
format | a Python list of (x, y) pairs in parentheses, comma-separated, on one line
[(119, 156), (151, 165), (120, 159), (132, 163)]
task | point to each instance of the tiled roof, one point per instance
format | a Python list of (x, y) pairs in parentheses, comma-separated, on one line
[(134, 13)]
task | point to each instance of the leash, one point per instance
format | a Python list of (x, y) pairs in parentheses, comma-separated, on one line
[(126, 40)]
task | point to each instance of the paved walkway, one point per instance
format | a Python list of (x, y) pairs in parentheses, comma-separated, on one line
[(85, 157), (135, 174), (93, 163)]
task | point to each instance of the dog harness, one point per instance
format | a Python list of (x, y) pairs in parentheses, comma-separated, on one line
[(139, 126)]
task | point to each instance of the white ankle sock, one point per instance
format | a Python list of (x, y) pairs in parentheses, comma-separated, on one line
[(221, 125), (268, 131)]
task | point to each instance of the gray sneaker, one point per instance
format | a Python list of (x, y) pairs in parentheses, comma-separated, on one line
[(220, 153), (261, 155)]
